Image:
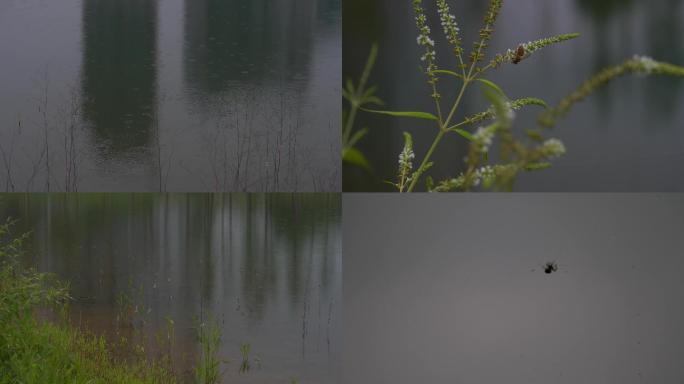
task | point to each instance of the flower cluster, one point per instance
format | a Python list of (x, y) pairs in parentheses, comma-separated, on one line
[(514, 105), (510, 110), (483, 138), (553, 148), (487, 174), (638, 64), (486, 32), (451, 29), (423, 38), (648, 65), (406, 158), (529, 48)]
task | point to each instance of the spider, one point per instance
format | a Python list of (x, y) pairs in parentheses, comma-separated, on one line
[(550, 267)]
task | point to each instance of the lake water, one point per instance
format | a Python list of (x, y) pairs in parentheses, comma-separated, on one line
[(446, 290), (172, 95), (266, 268), (627, 137)]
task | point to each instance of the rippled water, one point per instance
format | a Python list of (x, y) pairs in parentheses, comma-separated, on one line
[(148, 95), (267, 268), (627, 137)]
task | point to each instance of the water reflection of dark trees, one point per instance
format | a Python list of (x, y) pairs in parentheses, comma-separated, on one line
[(241, 40), (98, 242), (119, 74), (265, 263)]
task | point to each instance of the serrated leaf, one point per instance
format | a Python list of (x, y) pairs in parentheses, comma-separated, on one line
[(417, 115)]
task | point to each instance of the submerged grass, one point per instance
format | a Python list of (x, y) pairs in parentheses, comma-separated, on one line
[(208, 370)]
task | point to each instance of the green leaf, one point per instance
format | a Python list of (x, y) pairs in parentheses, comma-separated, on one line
[(464, 133), (429, 184), (358, 135), (417, 115), (372, 100), (492, 86), (390, 183), (445, 72), (350, 87), (370, 91), (355, 157), (499, 101)]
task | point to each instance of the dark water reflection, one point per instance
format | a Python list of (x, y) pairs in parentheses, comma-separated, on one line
[(119, 79), (627, 137), (171, 95), (266, 267), (237, 40)]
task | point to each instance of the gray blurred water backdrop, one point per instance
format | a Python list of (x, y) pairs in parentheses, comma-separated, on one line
[(178, 95), (447, 290)]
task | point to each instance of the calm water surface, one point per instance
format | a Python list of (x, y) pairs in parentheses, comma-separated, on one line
[(149, 95), (627, 137), (267, 268), (441, 290)]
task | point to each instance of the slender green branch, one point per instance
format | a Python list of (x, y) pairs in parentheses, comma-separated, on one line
[(638, 64), (466, 81), (426, 160), (355, 99)]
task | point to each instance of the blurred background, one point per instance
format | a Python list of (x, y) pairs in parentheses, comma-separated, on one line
[(627, 137), (445, 290)]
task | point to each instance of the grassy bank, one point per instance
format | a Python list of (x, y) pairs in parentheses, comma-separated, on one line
[(36, 351)]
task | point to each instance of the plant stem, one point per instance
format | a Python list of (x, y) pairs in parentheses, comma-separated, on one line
[(442, 131), (356, 100), (439, 137), (466, 81), (350, 123)]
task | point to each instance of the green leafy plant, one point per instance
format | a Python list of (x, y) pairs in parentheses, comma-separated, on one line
[(36, 351), (244, 351), (532, 151), (358, 96), (208, 366)]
